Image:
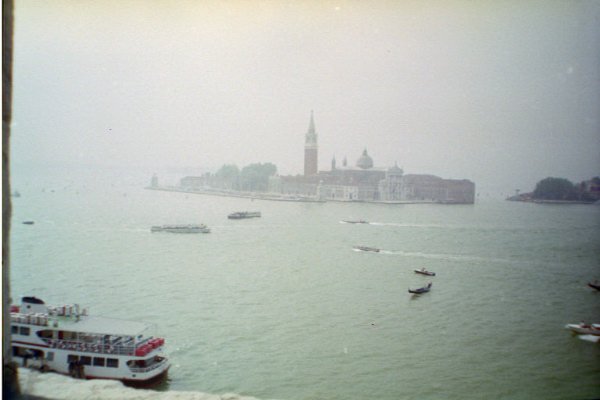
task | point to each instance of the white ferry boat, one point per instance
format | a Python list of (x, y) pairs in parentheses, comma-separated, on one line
[(244, 214), (65, 339), (181, 228)]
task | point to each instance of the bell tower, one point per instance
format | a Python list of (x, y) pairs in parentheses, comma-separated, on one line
[(311, 149)]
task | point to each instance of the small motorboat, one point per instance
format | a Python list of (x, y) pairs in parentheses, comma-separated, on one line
[(28, 222), (360, 221), (594, 285), (584, 329), (424, 289), (366, 248), (423, 271)]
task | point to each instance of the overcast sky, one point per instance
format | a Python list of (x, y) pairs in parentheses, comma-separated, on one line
[(501, 93)]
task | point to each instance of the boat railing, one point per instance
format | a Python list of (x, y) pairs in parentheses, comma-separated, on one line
[(91, 347), (148, 368), (105, 348), (30, 319)]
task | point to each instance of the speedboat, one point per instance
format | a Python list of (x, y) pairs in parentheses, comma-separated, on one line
[(360, 221), (423, 271), (421, 290), (366, 248), (181, 228), (584, 329), (67, 340)]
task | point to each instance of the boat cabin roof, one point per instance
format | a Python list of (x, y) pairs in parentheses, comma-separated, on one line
[(104, 326)]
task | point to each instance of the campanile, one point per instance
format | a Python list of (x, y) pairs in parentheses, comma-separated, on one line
[(311, 149)]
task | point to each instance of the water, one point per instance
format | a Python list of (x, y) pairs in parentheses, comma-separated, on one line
[(282, 306)]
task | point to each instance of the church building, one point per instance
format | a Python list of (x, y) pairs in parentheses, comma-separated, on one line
[(366, 183)]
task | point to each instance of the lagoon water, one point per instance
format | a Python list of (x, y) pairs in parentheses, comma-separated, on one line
[(282, 307)]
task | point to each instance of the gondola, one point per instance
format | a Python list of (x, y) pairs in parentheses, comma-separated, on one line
[(424, 289), (594, 285)]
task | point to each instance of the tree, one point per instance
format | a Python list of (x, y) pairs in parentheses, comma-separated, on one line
[(555, 189), (228, 176), (255, 177)]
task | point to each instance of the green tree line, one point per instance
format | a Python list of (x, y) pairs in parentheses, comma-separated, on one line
[(562, 189), (253, 177)]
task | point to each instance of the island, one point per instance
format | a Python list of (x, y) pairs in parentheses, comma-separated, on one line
[(562, 191), (358, 182)]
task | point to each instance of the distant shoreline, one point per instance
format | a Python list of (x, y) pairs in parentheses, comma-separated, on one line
[(542, 201), (276, 197)]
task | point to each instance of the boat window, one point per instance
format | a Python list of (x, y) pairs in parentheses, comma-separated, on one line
[(99, 361), (24, 330), (71, 358), (45, 334), (112, 362), (85, 360), (14, 329), (50, 356)]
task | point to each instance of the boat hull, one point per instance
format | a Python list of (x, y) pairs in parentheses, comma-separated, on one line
[(428, 273), (418, 291), (244, 215), (181, 229), (594, 286)]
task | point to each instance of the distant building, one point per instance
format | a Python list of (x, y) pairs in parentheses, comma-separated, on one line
[(311, 153), (591, 188), (364, 182)]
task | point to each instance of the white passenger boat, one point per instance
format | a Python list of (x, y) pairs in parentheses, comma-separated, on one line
[(65, 339), (244, 214), (181, 228)]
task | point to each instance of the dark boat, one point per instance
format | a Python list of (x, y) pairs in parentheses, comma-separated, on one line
[(360, 221), (424, 289), (28, 222), (594, 285), (423, 271), (366, 248)]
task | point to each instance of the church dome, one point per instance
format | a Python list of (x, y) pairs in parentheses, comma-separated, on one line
[(365, 161), (395, 170)]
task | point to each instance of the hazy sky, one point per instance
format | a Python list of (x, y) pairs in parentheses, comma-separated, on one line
[(502, 93)]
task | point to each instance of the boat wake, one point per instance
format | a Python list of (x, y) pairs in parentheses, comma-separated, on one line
[(452, 257), (55, 386), (407, 225)]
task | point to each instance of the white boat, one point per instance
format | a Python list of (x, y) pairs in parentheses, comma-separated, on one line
[(65, 339), (584, 329), (181, 228), (244, 214)]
